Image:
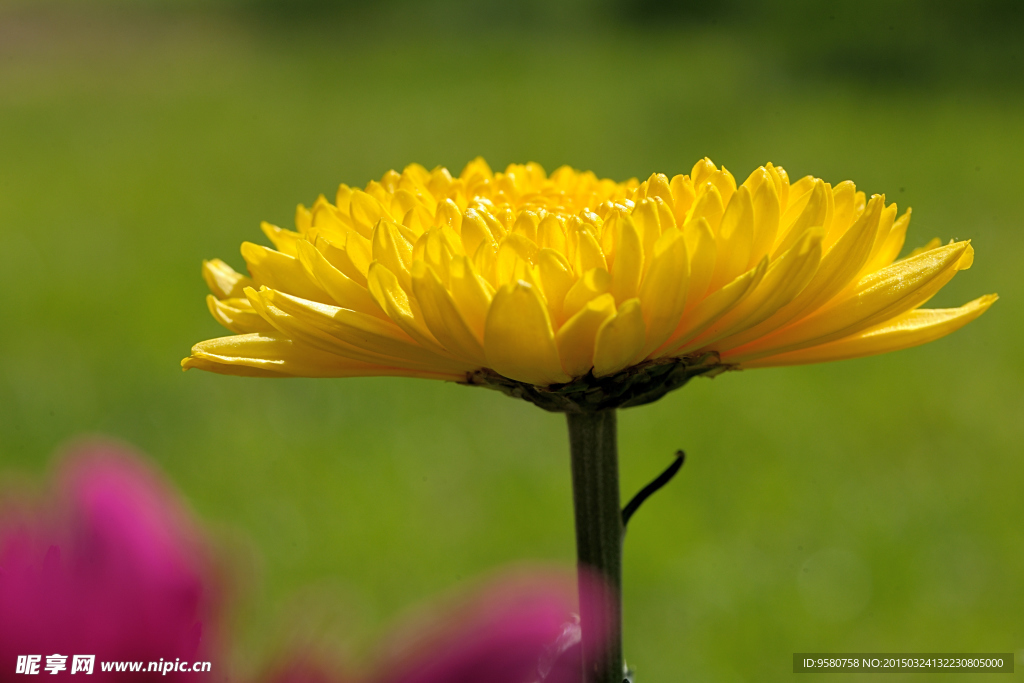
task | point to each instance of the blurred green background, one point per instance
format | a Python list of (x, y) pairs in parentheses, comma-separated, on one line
[(869, 505)]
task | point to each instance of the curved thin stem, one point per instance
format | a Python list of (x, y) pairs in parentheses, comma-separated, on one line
[(652, 488)]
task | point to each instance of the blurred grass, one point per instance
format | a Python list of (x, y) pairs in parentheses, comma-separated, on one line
[(134, 145)]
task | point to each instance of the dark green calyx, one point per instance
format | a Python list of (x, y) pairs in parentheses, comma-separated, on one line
[(634, 386)]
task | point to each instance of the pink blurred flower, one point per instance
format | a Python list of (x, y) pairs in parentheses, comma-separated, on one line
[(518, 628), (113, 567), (305, 670)]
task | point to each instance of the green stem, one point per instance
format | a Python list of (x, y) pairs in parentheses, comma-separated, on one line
[(593, 444)]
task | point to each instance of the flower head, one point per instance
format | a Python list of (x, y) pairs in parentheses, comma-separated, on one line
[(577, 292), (115, 572)]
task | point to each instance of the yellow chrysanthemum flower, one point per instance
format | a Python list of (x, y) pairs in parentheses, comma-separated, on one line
[(582, 295), (570, 290)]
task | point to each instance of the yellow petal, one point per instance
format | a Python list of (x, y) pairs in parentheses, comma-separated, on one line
[(799, 195), (443, 317), (842, 262), (390, 180), (911, 329), (628, 262), (514, 249), (683, 196), (589, 254), (497, 228), (361, 331), (440, 181), (933, 243), (551, 233), (620, 340), (705, 313), (279, 271), (593, 284), (393, 251), (377, 191), (766, 218), (756, 178), (556, 279), (724, 183), (811, 215), (885, 222), (303, 218), (892, 244), (735, 238), (478, 167), (781, 180), (366, 212), (700, 245), (708, 206), (306, 329), (786, 277), (658, 186), (647, 221), (576, 338), (474, 231), (663, 291), (359, 250), (485, 260), (472, 295), (343, 198), (829, 208), (416, 220), (702, 170), (526, 225), (401, 309), (327, 220), (844, 197), (223, 281), (593, 222), (448, 214), (237, 315), (351, 254), (342, 289), (274, 355), (666, 219), (283, 240), (518, 339), (436, 247), (880, 296)]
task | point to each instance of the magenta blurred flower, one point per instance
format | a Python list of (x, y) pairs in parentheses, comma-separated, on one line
[(518, 628), (112, 567), (305, 670)]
